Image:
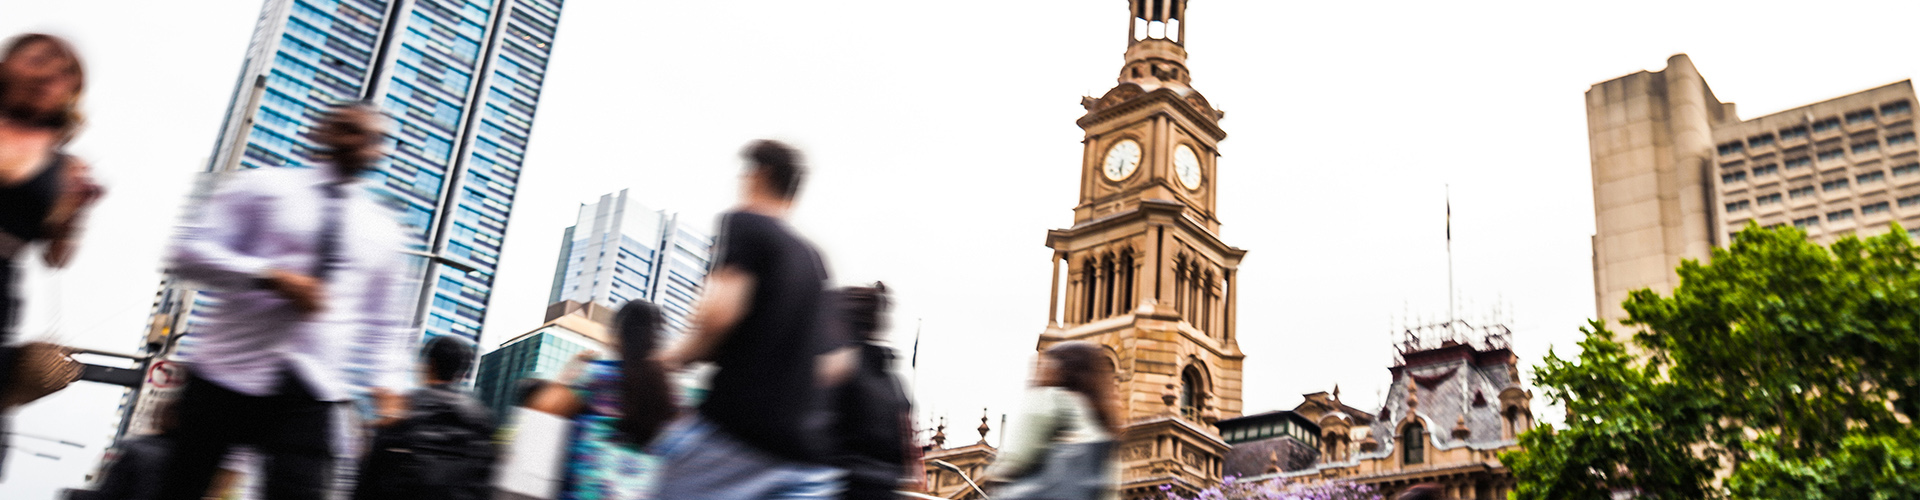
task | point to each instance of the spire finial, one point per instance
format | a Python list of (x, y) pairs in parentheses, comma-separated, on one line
[(940, 434), (983, 426)]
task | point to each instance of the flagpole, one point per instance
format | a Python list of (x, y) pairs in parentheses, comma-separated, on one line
[(913, 363), (1450, 310)]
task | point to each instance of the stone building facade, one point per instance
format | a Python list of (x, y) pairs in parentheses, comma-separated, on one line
[(1676, 172), (1143, 271), (1456, 403), (972, 460)]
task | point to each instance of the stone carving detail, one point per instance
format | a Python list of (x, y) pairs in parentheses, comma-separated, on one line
[(1200, 103), (1140, 451), (1114, 97)]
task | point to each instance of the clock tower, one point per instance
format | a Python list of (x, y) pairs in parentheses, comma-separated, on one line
[(1143, 270)]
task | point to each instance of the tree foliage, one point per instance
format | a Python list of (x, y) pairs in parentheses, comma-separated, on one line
[(1776, 360)]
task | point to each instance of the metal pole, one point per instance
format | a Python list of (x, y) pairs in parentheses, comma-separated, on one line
[(48, 439), (963, 475)]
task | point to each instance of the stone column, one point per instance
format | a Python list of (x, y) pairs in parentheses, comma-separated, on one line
[(1133, 8), (1227, 329), (1181, 13), (1074, 283), (1053, 298)]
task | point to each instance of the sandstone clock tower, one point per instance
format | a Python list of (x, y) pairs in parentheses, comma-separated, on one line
[(1143, 271)]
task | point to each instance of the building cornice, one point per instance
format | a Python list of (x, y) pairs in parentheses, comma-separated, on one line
[(1173, 210), (1129, 97)]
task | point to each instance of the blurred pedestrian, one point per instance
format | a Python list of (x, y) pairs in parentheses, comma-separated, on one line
[(617, 406), (873, 417), (136, 470), (307, 270), (1061, 445), (760, 432), (443, 448), (44, 192)]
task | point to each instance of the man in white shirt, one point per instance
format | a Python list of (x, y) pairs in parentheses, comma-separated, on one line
[(307, 270)]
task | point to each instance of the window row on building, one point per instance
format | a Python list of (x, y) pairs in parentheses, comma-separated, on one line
[(1830, 151), (1858, 117), (1906, 167)]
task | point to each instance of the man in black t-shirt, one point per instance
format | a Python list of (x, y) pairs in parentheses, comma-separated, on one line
[(759, 433)]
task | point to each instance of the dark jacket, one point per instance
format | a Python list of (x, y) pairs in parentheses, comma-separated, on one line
[(442, 450), (872, 420), (135, 474)]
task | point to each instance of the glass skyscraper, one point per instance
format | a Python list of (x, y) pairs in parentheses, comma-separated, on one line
[(537, 354), (461, 78)]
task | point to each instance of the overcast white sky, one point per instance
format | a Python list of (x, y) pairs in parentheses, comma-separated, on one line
[(943, 141)]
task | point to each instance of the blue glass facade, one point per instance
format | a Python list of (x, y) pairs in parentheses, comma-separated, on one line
[(540, 354), (461, 78)]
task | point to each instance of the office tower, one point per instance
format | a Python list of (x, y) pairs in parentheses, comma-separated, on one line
[(570, 328), (1677, 172), (619, 250), (461, 78)]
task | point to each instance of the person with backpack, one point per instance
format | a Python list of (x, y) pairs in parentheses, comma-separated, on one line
[(617, 406), (442, 449), (873, 424)]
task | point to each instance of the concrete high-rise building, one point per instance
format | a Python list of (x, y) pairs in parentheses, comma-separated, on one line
[(619, 250), (1677, 172), (462, 80)]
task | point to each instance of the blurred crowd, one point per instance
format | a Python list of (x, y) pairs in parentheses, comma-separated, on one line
[(313, 324)]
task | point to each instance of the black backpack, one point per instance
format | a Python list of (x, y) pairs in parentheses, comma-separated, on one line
[(442, 450), (872, 421)]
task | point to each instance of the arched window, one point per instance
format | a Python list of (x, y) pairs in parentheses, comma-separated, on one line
[(1126, 282), (1513, 427), (1190, 393), (1413, 444), (1089, 283), (1206, 302), (1107, 286)]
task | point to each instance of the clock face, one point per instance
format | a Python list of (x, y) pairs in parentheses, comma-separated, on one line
[(1122, 159), (1186, 166)]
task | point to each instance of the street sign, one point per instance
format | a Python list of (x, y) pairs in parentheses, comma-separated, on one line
[(129, 378), (166, 374)]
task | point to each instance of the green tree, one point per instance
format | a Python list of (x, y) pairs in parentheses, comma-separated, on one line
[(1776, 358)]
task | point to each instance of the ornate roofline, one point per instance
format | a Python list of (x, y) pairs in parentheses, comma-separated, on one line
[(1127, 97)]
